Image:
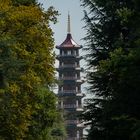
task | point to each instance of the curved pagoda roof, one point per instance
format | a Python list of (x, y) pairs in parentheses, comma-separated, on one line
[(68, 42)]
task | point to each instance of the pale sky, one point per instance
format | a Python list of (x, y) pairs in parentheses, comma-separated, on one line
[(76, 13)]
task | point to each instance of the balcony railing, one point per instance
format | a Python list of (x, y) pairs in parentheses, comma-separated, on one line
[(69, 91), (71, 106), (69, 78), (69, 55), (72, 121), (69, 66)]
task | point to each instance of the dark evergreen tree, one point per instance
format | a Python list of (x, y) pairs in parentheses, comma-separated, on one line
[(113, 34)]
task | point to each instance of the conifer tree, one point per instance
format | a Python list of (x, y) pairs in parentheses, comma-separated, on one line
[(113, 34)]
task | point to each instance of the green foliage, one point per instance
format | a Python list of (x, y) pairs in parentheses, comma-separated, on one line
[(27, 104), (113, 34), (56, 132)]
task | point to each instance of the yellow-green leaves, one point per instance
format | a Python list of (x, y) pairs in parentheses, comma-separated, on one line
[(124, 14), (26, 65)]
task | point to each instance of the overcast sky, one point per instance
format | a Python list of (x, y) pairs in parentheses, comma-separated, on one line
[(76, 13)]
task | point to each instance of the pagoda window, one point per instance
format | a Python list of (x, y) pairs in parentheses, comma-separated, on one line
[(70, 116), (70, 102), (68, 62), (78, 134), (77, 75), (60, 52), (62, 88), (77, 103), (61, 63), (79, 88), (65, 52), (60, 74), (69, 52), (69, 74), (77, 53), (77, 63), (59, 88), (61, 103), (69, 87), (74, 52)]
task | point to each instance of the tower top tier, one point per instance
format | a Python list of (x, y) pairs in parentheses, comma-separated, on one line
[(68, 42)]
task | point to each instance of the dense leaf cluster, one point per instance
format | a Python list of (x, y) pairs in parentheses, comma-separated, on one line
[(113, 48), (27, 104)]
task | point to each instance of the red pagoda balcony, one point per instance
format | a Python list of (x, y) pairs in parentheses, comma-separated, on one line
[(65, 55), (67, 93), (61, 56), (69, 66), (71, 106), (69, 78), (78, 80), (70, 93)]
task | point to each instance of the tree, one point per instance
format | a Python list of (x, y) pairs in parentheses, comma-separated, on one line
[(24, 2), (113, 45), (28, 106)]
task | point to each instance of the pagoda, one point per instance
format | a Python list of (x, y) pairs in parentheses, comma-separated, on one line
[(69, 88)]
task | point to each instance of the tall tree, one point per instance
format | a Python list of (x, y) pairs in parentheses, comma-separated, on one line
[(113, 45), (27, 104)]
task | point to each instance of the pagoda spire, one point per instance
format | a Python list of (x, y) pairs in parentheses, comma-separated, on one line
[(68, 28)]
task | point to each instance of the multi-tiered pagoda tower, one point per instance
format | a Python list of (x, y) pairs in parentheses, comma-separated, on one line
[(69, 89)]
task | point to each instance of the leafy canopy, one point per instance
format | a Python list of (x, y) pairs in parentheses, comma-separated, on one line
[(28, 106)]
